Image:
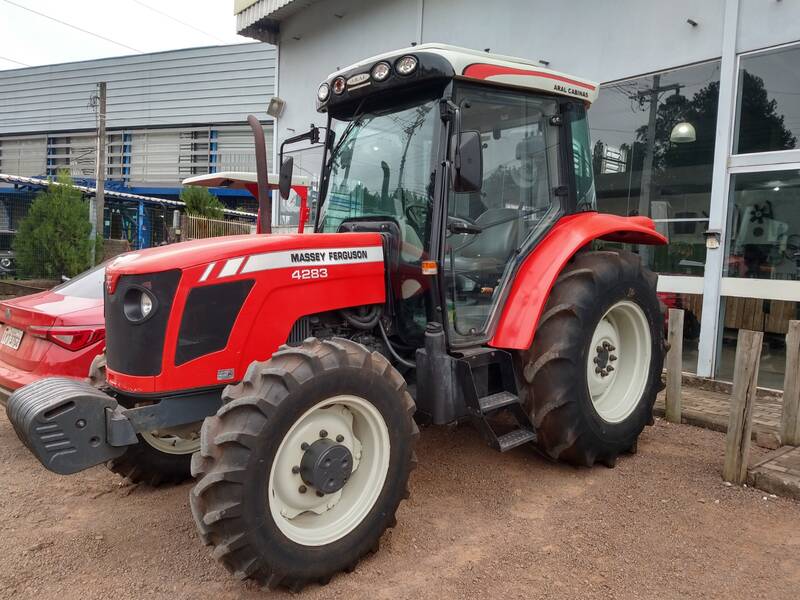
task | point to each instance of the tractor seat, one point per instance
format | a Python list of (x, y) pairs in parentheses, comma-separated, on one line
[(487, 252)]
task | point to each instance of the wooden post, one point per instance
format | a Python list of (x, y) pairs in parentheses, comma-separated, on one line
[(740, 423), (790, 416), (674, 365)]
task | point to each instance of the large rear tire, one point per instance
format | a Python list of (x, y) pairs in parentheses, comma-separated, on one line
[(594, 368), (260, 500)]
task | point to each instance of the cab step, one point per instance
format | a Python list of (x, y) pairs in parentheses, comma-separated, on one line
[(490, 386), (515, 438), (496, 401)]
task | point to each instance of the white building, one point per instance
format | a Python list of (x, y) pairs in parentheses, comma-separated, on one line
[(728, 68)]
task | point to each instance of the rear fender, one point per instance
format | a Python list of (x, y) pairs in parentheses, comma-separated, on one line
[(539, 271)]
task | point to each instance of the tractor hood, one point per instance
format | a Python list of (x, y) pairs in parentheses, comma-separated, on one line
[(312, 249)]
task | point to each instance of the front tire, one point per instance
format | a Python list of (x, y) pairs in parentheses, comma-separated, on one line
[(261, 503), (594, 368), (158, 458)]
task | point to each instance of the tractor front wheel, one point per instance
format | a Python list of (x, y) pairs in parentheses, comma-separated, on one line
[(302, 469), (594, 368)]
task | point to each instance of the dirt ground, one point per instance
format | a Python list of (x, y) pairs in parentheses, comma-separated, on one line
[(478, 525)]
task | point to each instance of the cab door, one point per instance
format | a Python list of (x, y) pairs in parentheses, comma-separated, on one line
[(517, 201)]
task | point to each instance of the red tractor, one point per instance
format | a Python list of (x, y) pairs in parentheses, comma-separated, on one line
[(449, 277)]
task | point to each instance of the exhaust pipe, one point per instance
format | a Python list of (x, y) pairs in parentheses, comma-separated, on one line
[(264, 199)]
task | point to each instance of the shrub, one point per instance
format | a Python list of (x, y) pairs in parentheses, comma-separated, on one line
[(199, 201), (53, 239)]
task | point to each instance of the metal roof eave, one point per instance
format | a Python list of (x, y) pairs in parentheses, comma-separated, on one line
[(261, 19)]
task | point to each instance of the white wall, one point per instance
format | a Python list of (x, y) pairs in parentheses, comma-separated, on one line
[(603, 40)]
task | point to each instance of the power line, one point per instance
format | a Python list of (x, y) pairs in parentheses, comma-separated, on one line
[(184, 23), (11, 60), (71, 26)]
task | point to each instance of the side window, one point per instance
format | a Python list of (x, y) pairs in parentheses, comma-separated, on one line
[(582, 160), (516, 201)]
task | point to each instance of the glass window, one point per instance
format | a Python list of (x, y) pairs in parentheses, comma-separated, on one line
[(652, 155), (692, 306), (768, 101), (515, 204), (764, 226), (582, 157), (88, 284), (756, 314)]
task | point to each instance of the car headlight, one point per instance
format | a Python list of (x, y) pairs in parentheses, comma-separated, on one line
[(139, 304), (323, 92), (381, 71), (406, 65)]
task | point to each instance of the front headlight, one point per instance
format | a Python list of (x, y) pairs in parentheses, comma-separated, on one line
[(146, 305), (139, 304)]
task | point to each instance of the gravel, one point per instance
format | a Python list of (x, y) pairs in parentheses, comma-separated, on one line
[(478, 524)]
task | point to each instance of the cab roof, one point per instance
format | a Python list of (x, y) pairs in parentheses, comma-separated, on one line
[(496, 68)]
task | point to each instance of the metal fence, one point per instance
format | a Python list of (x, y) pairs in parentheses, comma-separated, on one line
[(195, 227)]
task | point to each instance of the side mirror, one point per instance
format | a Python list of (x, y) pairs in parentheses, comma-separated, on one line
[(285, 177), (466, 156)]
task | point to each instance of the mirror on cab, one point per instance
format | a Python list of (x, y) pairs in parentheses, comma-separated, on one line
[(285, 177), (466, 156)]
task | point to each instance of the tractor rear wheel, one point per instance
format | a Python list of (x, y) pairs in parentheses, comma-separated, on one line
[(302, 469), (594, 368)]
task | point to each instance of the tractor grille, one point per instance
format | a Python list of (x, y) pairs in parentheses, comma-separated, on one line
[(300, 331), (208, 318), (137, 348)]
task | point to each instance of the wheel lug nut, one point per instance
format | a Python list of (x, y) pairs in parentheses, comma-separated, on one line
[(320, 494), (611, 348), (606, 345), (603, 374), (340, 438), (613, 357), (303, 446), (596, 360), (598, 370), (302, 489), (599, 349), (610, 368), (323, 433), (295, 470)]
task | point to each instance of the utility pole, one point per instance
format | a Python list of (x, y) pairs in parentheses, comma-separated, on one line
[(97, 206)]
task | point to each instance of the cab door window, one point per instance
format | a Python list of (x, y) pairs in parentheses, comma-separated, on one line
[(520, 171)]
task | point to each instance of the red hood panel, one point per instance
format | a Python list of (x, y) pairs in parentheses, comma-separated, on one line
[(198, 252)]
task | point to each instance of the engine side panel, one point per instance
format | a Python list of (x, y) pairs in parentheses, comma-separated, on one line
[(539, 271), (288, 284)]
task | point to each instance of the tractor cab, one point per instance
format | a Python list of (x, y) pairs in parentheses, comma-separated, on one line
[(465, 160)]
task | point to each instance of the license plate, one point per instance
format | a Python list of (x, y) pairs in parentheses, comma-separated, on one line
[(11, 337)]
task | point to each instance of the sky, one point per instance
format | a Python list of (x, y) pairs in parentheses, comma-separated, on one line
[(131, 26)]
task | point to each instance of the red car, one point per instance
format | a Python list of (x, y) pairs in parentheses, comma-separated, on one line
[(56, 332)]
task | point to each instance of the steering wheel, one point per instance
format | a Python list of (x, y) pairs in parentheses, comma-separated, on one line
[(417, 214)]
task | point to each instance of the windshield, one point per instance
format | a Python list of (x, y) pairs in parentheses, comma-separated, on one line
[(88, 284), (383, 166)]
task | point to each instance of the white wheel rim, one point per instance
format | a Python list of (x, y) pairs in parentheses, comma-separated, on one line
[(306, 518), (618, 361), (172, 444)]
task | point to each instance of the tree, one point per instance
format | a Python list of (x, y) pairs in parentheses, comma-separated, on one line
[(199, 201), (53, 239)]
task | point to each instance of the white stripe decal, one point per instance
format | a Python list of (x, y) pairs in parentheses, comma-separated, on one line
[(207, 272), (322, 257), (231, 267)]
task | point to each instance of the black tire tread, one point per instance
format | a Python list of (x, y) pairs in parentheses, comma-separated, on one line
[(549, 366), (246, 408)]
